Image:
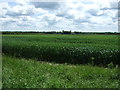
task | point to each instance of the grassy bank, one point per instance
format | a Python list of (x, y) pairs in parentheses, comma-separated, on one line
[(21, 73)]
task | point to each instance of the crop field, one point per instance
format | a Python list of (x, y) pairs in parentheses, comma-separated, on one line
[(75, 49), (60, 61)]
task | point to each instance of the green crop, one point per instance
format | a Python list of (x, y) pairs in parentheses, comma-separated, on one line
[(75, 49)]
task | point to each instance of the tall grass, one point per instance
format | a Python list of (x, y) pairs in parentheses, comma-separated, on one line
[(21, 73)]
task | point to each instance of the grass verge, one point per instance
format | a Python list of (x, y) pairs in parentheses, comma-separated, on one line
[(21, 73)]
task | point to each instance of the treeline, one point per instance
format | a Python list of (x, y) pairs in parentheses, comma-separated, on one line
[(56, 32)]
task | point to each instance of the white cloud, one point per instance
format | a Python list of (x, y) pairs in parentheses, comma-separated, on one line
[(21, 2), (83, 15), (20, 10), (39, 10), (3, 8)]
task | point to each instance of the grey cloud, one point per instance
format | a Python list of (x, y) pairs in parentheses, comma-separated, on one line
[(63, 12), (113, 6), (46, 5), (82, 20), (7, 22), (9, 13), (94, 12), (3, 16), (65, 15), (20, 13), (115, 18), (49, 21), (23, 24), (118, 14), (119, 5)]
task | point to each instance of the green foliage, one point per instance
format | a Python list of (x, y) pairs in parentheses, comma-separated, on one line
[(111, 65), (74, 49), (21, 73)]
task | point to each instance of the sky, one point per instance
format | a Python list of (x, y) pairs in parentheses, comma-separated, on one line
[(58, 15)]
